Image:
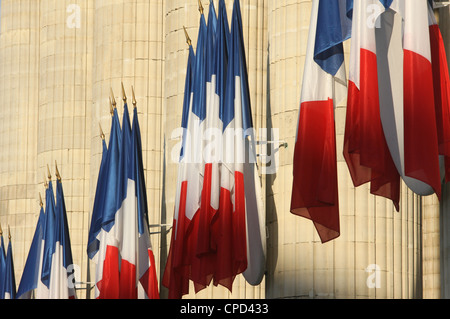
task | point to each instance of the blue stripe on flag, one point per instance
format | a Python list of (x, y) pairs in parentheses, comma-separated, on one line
[(199, 102), (221, 64), (333, 28), (386, 3), (211, 41), (49, 235)]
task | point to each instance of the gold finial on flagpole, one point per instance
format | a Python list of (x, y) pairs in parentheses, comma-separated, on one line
[(40, 200), (111, 107), (57, 172), (113, 99), (1, 231), (134, 97), (200, 6), (9, 233), (188, 39), (45, 182), (49, 175), (102, 135), (124, 96)]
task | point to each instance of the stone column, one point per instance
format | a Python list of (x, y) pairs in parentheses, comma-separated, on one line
[(65, 98), (374, 238), (19, 71)]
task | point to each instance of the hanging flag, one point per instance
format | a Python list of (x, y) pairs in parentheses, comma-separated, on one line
[(255, 222), (146, 266), (176, 274), (315, 185), (48, 244), (2, 264), (10, 280), (441, 83), (30, 275), (220, 224), (63, 276), (239, 215), (365, 148), (97, 211), (107, 257), (189, 184), (203, 266), (407, 90)]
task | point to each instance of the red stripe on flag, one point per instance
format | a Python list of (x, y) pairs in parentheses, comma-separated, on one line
[(365, 148), (176, 274), (149, 281), (441, 80), (229, 236), (127, 280), (315, 189), (206, 215), (420, 141), (109, 284)]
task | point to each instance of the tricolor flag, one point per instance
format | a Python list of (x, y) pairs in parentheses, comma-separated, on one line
[(441, 82), (202, 266), (145, 265), (48, 245), (119, 240), (2, 265), (97, 211), (106, 256), (407, 94), (63, 268), (55, 259), (218, 232), (10, 280), (315, 185), (31, 274), (183, 247), (365, 148), (240, 216)]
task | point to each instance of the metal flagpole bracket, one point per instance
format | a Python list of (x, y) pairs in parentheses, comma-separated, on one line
[(281, 144), (441, 4), (170, 226)]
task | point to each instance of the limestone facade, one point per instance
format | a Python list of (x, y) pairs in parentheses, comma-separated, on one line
[(59, 61)]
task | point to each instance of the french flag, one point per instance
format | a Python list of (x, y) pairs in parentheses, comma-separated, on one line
[(147, 282), (202, 267), (62, 277), (240, 239), (30, 276), (407, 91), (441, 82), (315, 185), (177, 272), (122, 248), (365, 148), (95, 226), (48, 245), (106, 251), (189, 217), (55, 256)]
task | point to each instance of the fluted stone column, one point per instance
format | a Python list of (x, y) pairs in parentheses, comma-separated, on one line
[(64, 137), (374, 238), (185, 13), (19, 73)]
